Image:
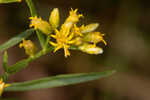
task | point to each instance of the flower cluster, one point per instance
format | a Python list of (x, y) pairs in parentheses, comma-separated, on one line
[(69, 33), (2, 86)]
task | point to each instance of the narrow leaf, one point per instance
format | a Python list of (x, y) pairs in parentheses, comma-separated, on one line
[(18, 66), (9, 1), (5, 61), (13, 41), (56, 81)]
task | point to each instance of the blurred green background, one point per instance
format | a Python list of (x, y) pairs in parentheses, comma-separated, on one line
[(126, 24)]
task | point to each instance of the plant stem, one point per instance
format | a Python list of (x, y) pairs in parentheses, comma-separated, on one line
[(34, 13), (31, 7), (46, 44), (40, 53)]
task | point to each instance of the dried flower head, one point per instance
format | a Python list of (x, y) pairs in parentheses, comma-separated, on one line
[(29, 47)]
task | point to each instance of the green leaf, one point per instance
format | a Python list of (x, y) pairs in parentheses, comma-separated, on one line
[(5, 61), (13, 41), (18, 66), (9, 1), (56, 81)]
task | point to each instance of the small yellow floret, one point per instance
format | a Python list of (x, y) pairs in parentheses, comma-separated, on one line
[(29, 47), (73, 16), (2, 86), (62, 41), (40, 24)]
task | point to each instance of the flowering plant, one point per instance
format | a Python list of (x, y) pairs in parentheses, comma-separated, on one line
[(52, 37)]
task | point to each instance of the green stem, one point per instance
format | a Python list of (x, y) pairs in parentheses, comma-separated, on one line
[(46, 43), (41, 38), (31, 7), (41, 53), (34, 13), (5, 76)]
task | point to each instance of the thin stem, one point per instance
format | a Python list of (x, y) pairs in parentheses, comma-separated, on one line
[(31, 7), (40, 53), (46, 43), (41, 38), (34, 13)]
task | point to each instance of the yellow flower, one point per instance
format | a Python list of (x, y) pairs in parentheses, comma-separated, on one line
[(83, 36), (73, 16), (40, 24), (2, 86), (29, 47), (64, 37), (54, 18), (90, 49), (94, 37), (62, 41)]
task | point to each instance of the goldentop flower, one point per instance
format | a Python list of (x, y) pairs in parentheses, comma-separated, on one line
[(29, 46), (63, 41), (69, 33), (40, 24), (81, 36), (64, 37), (2, 86), (44, 26)]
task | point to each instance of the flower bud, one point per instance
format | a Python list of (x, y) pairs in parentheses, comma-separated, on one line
[(90, 49), (54, 18), (89, 28)]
